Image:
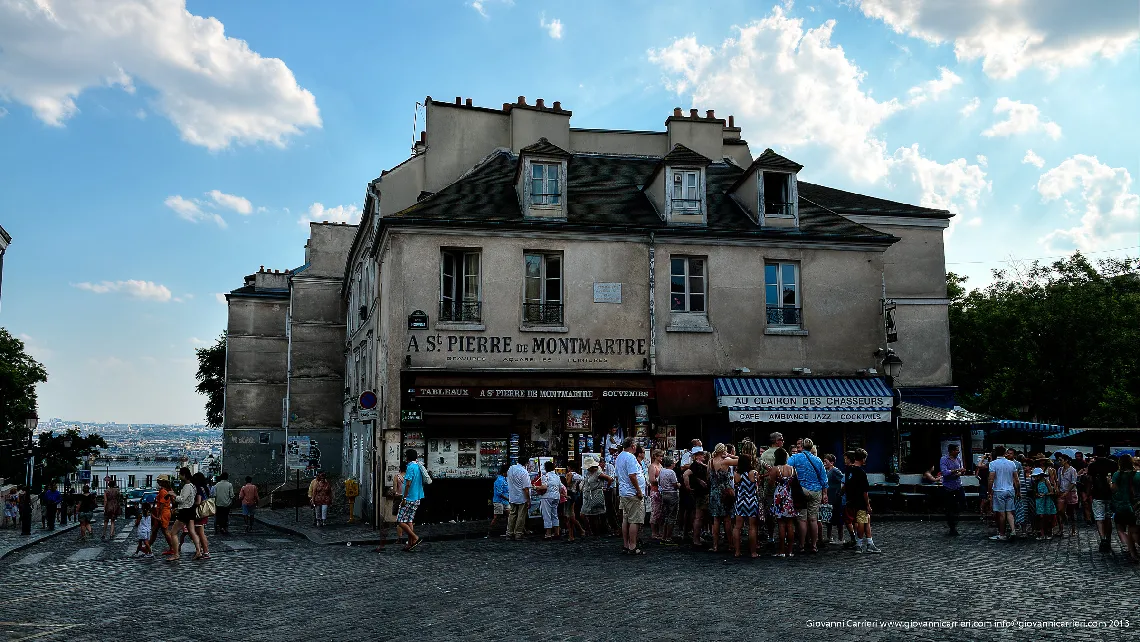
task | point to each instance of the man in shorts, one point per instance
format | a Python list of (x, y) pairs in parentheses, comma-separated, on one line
[(630, 482), (1100, 472), (1004, 491), (413, 495), (249, 498), (500, 499)]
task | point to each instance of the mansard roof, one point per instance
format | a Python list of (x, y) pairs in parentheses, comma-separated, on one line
[(545, 148)]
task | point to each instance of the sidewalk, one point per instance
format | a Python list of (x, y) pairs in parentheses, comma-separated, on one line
[(11, 540), (341, 532)]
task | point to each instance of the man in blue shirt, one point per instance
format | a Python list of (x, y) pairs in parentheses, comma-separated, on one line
[(629, 481), (518, 494), (500, 498), (413, 494), (51, 499), (809, 470), (952, 471)]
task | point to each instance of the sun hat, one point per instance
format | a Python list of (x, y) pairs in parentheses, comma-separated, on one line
[(697, 449), (164, 477), (589, 463), (1038, 471)]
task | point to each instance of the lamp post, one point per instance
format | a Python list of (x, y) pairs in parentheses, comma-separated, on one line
[(31, 423)]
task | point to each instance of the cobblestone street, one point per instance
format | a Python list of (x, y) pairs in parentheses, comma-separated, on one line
[(277, 587)]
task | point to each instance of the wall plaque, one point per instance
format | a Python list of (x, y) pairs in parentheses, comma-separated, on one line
[(607, 293)]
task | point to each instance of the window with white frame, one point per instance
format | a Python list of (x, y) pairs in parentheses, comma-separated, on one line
[(459, 296), (545, 184), (777, 194), (685, 193), (782, 293), (688, 284), (542, 288)]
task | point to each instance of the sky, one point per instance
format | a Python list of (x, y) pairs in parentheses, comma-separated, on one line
[(154, 152)]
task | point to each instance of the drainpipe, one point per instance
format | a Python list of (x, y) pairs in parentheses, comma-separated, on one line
[(652, 305)]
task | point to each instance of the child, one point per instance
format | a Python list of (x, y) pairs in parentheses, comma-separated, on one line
[(670, 490), (1046, 506), (500, 499), (859, 500), (143, 528), (835, 496)]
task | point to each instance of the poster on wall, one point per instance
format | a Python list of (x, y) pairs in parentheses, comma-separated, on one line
[(577, 420), (946, 446), (670, 437), (391, 456)]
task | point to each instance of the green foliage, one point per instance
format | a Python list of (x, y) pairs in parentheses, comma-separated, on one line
[(61, 455), (1058, 343), (19, 374), (212, 379)]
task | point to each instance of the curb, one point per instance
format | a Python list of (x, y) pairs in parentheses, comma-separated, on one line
[(425, 530), (58, 531)]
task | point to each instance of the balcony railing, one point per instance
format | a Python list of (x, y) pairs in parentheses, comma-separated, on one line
[(778, 209), (543, 313), (461, 311), (788, 315)]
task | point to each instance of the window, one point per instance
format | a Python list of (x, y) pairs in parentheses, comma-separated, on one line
[(130, 481), (686, 193), (542, 289), (356, 372), (362, 368), (150, 481), (459, 287), (782, 293), (545, 188), (777, 194), (687, 284)]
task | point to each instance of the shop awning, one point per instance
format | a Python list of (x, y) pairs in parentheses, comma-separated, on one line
[(800, 399), (919, 413), (1027, 427)]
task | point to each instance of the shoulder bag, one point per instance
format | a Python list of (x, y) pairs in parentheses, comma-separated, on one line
[(799, 499), (205, 507)]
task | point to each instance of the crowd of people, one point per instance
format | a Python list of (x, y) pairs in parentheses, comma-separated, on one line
[(788, 499)]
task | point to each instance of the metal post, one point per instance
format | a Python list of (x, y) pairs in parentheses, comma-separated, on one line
[(297, 502)]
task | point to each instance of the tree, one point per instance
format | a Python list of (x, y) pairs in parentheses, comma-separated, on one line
[(19, 374), (60, 455), (212, 379), (1058, 343)]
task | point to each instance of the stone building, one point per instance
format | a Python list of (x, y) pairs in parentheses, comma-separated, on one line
[(523, 283), (285, 364)]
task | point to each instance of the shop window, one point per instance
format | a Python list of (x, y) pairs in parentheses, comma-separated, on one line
[(782, 294), (459, 300), (542, 288)]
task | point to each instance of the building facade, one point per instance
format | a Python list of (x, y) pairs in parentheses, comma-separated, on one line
[(536, 286), (285, 365)]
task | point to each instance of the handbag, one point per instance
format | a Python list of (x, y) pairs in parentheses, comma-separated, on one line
[(205, 508), (424, 474)]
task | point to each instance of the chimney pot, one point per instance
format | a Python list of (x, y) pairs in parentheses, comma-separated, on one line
[(522, 100), (468, 102), (262, 269), (540, 103), (730, 121), (557, 106), (693, 113), (676, 112), (710, 114), (459, 100), (423, 136), (506, 106)]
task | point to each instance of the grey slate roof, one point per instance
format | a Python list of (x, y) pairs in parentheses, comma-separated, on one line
[(843, 202), (545, 148), (604, 192), (681, 155), (770, 158)]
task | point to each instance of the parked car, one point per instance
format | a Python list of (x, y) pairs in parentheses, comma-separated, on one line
[(137, 497)]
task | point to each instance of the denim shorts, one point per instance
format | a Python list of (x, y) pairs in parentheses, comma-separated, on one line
[(1004, 501)]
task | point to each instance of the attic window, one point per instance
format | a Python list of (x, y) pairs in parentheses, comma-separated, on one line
[(686, 191), (777, 191), (545, 188)]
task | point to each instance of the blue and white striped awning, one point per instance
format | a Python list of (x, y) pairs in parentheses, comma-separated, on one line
[(1029, 427), (832, 399)]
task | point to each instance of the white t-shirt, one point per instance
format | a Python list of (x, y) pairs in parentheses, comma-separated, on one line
[(627, 465), (1003, 471), (517, 479), (553, 483)]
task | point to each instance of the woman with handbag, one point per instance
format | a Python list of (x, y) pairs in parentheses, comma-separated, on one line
[(184, 516), (781, 476), (321, 497), (203, 510), (722, 495)]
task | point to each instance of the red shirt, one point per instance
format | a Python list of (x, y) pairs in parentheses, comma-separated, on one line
[(248, 495)]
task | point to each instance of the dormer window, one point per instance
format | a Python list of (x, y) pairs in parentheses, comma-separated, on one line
[(545, 184), (686, 194), (777, 194)]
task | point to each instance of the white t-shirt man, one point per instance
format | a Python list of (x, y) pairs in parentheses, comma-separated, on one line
[(627, 465), (518, 478), (1003, 471)]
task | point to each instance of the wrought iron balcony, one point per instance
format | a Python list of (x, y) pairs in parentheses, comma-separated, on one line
[(543, 313), (461, 311), (788, 315)]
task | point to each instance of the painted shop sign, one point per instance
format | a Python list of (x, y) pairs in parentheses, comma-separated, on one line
[(739, 401), (530, 393), (472, 344), (811, 416)]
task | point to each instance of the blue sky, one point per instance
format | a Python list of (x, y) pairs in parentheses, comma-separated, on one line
[(154, 152)]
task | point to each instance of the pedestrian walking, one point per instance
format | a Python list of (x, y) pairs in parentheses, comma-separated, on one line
[(809, 472), (519, 494), (780, 476), (249, 498), (111, 509), (594, 496), (87, 503), (51, 500), (952, 470), (549, 487), (859, 497), (223, 498), (747, 506), (1100, 471), (161, 515), (143, 529), (413, 495), (320, 496), (202, 488), (1004, 487), (1045, 503), (500, 500), (184, 504), (1126, 506), (630, 480)]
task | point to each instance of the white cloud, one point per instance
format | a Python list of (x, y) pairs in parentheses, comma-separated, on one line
[(794, 86), (933, 89), (318, 213), (1033, 159), (199, 342), (970, 107), (952, 186), (554, 27), (147, 290), (230, 201), (1021, 118), (481, 5), (214, 88), (983, 161), (974, 222), (191, 210), (1110, 212), (1010, 37), (220, 297)]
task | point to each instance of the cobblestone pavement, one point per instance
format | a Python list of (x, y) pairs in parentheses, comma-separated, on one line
[(268, 586), (11, 540)]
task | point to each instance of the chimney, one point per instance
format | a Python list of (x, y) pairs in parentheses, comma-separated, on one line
[(521, 101), (540, 104), (677, 112), (704, 136), (693, 113), (557, 105), (468, 102), (710, 114), (530, 123), (731, 122), (458, 100)]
